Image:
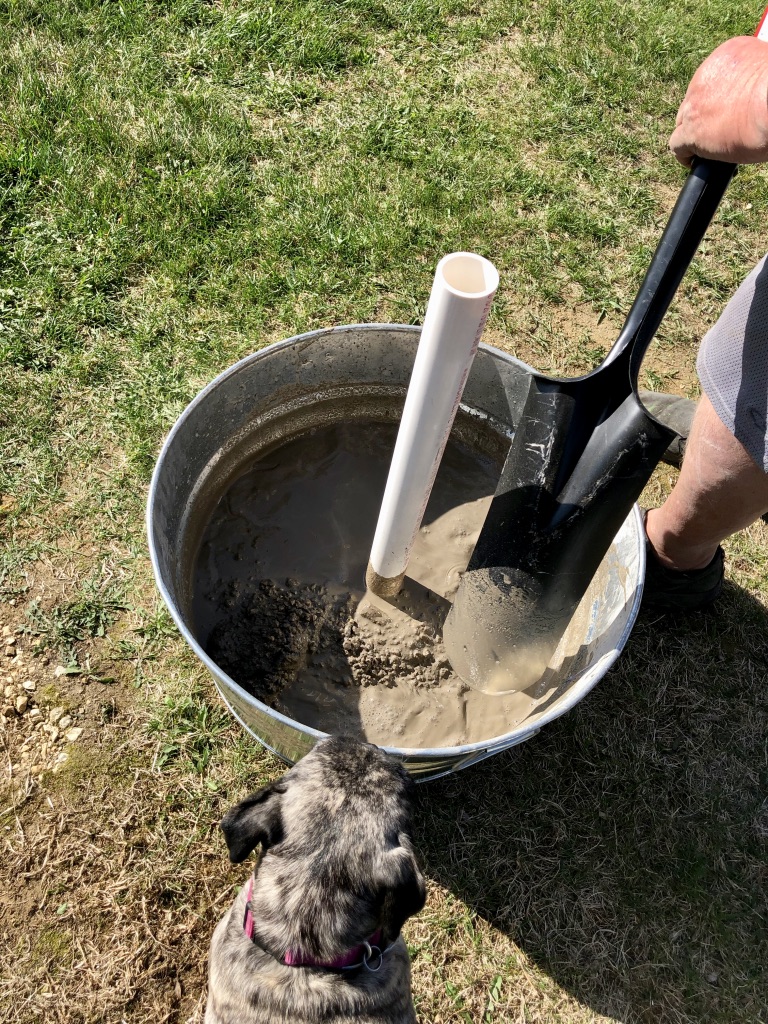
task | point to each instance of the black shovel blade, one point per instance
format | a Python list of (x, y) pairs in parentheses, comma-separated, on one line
[(584, 449), (617, 462)]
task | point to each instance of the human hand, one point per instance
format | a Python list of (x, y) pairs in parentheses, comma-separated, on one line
[(724, 115)]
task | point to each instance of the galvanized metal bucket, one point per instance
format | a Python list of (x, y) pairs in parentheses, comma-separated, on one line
[(277, 391)]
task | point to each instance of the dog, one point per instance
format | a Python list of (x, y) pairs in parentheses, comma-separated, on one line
[(314, 936)]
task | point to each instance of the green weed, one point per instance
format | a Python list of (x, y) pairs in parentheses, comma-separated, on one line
[(65, 626), (187, 729)]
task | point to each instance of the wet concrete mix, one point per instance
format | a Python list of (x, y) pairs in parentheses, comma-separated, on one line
[(280, 602)]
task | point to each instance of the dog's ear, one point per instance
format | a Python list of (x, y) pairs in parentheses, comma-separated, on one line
[(404, 891), (257, 819)]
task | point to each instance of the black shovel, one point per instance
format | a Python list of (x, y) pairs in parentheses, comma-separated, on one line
[(582, 452)]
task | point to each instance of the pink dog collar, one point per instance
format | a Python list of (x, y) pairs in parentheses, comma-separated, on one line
[(358, 956)]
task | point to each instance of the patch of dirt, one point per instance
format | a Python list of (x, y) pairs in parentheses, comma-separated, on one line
[(99, 921), (493, 75), (46, 707), (51, 706)]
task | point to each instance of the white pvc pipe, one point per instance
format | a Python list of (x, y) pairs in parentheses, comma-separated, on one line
[(461, 297)]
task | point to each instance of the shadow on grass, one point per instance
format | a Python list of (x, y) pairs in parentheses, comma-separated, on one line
[(624, 848)]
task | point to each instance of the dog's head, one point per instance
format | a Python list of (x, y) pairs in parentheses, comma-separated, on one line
[(337, 862)]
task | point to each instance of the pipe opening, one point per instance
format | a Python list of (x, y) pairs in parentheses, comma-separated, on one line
[(469, 274)]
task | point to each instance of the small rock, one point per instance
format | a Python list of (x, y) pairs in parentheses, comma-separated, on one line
[(60, 670), (712, 978), (10, 652), (35, 715), (21, 704), (73, 734), (55, 714), (7, 711), (10, 640), (29, 686), (9, 691), (64, 723)]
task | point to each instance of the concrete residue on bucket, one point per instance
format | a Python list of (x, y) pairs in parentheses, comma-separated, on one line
[(279, 600)]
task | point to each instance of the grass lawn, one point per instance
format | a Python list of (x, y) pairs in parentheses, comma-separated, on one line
[(185, 181)]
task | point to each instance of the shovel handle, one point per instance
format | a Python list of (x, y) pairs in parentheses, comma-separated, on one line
[(687, 225)]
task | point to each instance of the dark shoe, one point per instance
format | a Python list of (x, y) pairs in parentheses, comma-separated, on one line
[(674, 412), (674, 590)]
